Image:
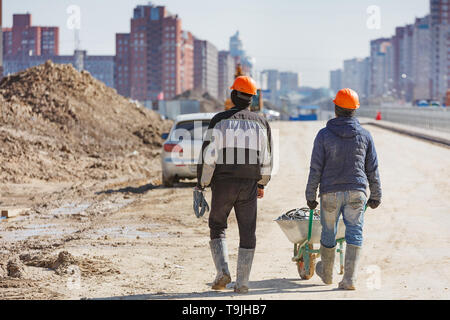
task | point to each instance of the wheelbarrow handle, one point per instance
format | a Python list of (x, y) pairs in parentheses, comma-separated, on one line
[(311, 217)]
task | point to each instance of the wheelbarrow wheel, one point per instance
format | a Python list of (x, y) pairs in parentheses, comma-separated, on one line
[(302, 269)]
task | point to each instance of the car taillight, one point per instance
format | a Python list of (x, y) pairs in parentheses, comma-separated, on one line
[(172, 147)]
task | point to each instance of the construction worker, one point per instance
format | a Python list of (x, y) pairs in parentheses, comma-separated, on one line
[(344, 163), (236, 160)]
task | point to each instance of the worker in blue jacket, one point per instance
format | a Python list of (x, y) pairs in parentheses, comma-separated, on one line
[(344, 163)]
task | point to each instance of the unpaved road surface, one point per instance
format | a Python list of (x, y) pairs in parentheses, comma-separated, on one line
[(139, 240)]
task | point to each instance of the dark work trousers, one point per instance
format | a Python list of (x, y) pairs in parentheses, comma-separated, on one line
[(240, 194)]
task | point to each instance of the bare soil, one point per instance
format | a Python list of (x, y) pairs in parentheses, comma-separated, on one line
[(128, 237)]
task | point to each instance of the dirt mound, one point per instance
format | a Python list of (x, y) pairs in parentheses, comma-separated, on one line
[(3, 271), (53, 115), (65, 263), (15, 269), (62, 263)]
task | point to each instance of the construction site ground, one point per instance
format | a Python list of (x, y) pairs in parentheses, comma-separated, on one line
[(130, 238)]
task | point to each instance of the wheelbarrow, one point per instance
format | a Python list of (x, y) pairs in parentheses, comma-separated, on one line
[(304, 234)]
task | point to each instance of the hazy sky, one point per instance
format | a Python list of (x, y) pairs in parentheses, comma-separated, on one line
[(307, 36)]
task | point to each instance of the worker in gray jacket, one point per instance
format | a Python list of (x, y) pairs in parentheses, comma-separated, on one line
[(344, 163), (236, 160)]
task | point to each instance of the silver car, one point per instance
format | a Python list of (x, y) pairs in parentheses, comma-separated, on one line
[(181, 150)]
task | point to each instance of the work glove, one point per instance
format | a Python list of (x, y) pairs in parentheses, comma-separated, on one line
[(200, 203), (373, 204), (312, 204)]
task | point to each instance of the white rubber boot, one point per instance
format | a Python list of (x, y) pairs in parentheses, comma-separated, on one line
[(352, 254), (324, 268), (219, 251), (244, 266)]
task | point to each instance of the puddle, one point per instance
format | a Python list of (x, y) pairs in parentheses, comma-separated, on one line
[(100, 207), (70, 209), (130, 232), (35, 230), (41, 226), (110, 206)]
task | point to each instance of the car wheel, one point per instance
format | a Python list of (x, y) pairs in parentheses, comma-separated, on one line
[(168, 181)]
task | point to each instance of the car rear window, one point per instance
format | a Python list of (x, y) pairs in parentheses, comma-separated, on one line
[(194, 130)]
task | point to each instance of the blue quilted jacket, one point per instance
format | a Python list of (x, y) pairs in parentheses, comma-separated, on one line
[(343, 159)]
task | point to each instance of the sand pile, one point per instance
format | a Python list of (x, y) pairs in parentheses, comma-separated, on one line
[(60, 263), (15, 269), (64, 263), (53, 116)]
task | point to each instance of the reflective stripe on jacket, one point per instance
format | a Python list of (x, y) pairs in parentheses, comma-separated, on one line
[(238, 144)]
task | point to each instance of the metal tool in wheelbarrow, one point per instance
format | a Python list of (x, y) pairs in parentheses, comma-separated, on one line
[(295, 225), (299, 214), (302, 227)]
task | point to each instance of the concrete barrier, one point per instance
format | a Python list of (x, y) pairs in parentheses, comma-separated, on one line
[(428, 118)]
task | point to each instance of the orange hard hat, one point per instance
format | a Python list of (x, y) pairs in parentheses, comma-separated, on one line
[(347, 99), (245, 84)]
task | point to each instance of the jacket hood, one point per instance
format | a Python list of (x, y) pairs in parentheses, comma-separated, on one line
[(344, 127)]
